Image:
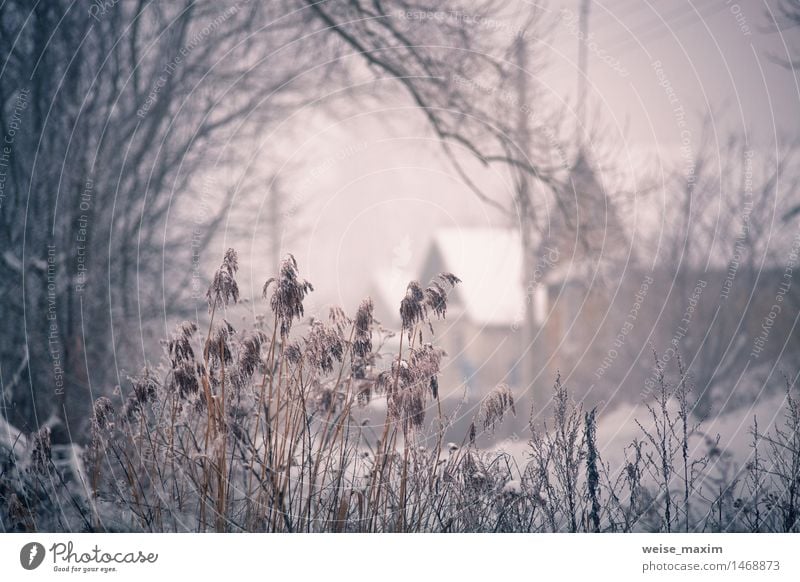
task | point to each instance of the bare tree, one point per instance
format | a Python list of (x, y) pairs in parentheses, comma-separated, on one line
[(118, 110), (722, 249), (113, 111)]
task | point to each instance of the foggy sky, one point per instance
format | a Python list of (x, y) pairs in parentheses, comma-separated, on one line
[(371, 185)]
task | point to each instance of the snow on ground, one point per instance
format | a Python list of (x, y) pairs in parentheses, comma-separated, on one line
[(10, 436), (617, 428)]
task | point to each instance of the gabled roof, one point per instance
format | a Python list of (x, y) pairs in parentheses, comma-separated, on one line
[(588, 214), (489, 263)]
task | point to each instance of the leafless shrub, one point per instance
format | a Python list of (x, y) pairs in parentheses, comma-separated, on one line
[(224, 290), (42, 452), (286, 300), (495, 406), (262, 433)]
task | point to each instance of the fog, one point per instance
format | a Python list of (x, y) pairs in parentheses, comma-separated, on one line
[(372, 183), (428, 225)]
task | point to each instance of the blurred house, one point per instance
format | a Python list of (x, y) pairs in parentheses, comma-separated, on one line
[(508, 321), (587, 308), (484, 333)]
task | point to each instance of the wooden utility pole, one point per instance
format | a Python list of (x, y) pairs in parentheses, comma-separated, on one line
[(583, 66), (275, 221), (530, 362)]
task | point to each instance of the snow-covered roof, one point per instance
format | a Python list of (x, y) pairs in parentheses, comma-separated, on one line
[(389, 288), (489, 262)]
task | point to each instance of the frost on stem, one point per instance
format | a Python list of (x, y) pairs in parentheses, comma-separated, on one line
[(102, 425), (338, 320), (415, 305), (42, 452), (437, 291), (362, 335), (185, 369), (407, 384), (362, 348), (223, 289), (495, 405), (218, 347), (185, 378), (293, 353), (249, 356), (412, 307), (143, 391), (324, 345), (287, 298), (180, 346), (103, 414)]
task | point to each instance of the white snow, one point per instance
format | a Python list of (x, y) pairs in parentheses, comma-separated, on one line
[(12, 261), (489, 262), (617, 428), (11, 437)]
